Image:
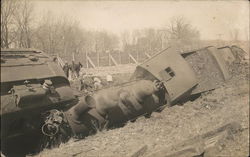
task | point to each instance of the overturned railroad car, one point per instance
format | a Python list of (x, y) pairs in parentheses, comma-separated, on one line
[(186, 74), (39, 108), (163, 80)]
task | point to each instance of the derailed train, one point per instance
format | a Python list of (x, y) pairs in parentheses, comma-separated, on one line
[(39, 109)]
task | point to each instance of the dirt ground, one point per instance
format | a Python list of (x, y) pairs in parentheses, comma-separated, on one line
[(229, 103)]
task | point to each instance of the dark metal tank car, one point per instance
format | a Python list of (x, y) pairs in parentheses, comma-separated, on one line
[(31, 84)]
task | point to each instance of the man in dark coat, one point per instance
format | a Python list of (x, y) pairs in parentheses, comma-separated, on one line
[(66, 69), (78, 69), (72, 68)]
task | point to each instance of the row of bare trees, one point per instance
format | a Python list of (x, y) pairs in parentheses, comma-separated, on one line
[(52, 34), (177, 33), (64, 35), (15, 23)]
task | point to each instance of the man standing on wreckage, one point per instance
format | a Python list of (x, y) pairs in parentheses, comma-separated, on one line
[(104, 109)]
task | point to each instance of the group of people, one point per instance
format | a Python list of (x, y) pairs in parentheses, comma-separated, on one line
[(90, 82), (73, 68), (87, 82)]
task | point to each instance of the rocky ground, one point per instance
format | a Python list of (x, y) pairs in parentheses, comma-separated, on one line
[(213, 109)]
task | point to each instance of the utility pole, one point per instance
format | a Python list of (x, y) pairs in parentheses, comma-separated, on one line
[(220, 39), (162, 33)]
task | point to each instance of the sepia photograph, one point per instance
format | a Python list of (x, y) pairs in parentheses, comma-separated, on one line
[(125, 78)]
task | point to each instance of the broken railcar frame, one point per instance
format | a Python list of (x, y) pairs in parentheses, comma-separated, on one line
[(185, 74)]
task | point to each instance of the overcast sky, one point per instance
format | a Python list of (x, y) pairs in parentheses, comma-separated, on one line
[(212, 18)]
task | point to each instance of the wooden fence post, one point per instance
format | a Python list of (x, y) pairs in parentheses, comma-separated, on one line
[(90, 61), (111, 58), (137, 56), (148, 56), (86, 60), (128, 59), (98, 59), (73, 56), (130, 56), (120, 57)]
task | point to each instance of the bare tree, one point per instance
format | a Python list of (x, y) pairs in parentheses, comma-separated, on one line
[(65, 36), (23, 19), (45, 33), (8, 10), (125, 38), (105, 41), (143, 40), (181, 32)]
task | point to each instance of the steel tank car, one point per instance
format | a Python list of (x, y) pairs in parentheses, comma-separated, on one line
[(32, 84)]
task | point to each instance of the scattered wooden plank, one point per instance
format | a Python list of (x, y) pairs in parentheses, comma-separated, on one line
[(200, 144), (140, 152)]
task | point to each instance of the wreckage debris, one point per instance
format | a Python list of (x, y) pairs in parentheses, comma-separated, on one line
[(30, 75), (126, 102)]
